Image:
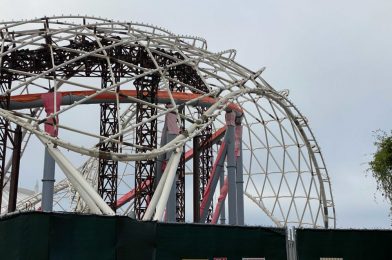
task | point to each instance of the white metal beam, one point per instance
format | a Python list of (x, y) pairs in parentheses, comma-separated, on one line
[(91, 197)]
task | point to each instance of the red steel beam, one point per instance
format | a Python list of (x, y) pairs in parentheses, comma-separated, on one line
[(214, 139), (131, 194), (221, 200), (163, 98), (208, 188), (188, 155)]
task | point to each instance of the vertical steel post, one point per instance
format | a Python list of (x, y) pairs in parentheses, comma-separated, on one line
[(15, 169), (240, 190), (231, 167), (239, 172), (48, 182), (51, 103), (223, 208), (196, 180)]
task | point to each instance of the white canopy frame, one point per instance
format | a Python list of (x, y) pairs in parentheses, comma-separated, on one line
[(271, 121)]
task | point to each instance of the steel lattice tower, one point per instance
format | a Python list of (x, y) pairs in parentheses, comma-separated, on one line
[(180, 184), (206, 161), (146, 137), (108, 169)]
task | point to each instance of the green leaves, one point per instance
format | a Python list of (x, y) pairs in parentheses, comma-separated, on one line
[(381, 165)]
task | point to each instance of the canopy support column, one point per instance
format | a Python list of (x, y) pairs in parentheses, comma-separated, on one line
[(231, 166)]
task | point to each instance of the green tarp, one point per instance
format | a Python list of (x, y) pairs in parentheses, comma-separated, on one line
[(38, 235), (177, 241), (312, 244)]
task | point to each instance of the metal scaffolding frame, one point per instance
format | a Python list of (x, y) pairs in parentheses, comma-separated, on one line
[(284, 172), (146, 136), (108, 169), (5, 84), (206, 160), (180, 183)]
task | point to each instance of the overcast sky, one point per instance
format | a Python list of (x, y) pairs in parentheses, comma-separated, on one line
[(335, 57)]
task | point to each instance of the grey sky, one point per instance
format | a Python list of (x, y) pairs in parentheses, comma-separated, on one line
[(334, 56)]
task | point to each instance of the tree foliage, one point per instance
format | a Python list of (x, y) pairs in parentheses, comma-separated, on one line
[(381, 164)]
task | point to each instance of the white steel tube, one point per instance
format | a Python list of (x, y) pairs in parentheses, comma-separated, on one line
[(69, 169), (89, 201), (158, 191), (77, 180), (178, 141), (171, 175), (171, 204), (161, 157)]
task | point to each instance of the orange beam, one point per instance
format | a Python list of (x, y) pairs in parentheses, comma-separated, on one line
[(179, 96)]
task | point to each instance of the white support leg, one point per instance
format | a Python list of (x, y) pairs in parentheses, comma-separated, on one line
[(77, 180), (158, 191), (171, 175)]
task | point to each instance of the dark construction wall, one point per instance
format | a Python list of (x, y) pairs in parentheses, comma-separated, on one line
[(348, 244), (39, 235)]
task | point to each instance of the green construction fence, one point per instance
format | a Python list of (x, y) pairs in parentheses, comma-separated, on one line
[(344, 244), (37, 235)]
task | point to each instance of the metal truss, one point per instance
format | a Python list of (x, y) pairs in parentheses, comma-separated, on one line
[(180, 184), (146, 139), (108, 169), (134, 69), (206, 159), (3, 143), (5, 84)]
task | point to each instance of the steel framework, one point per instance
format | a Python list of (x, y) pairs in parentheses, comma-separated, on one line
[(205, 163), (180, 184), (4, 128), (131, 72), (146, 138), (108, 169)]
